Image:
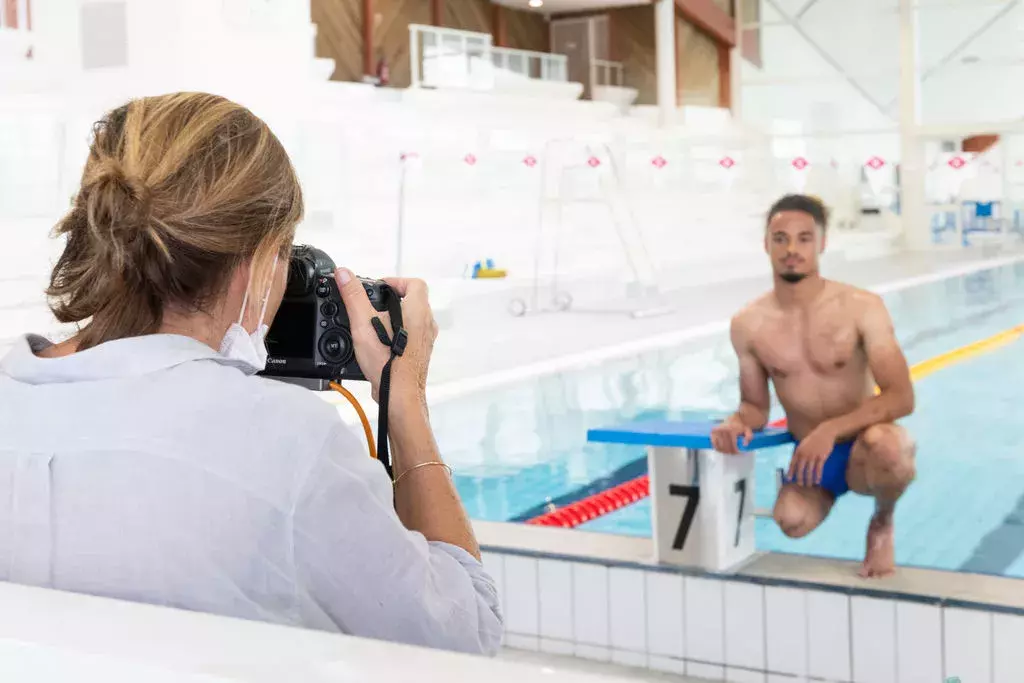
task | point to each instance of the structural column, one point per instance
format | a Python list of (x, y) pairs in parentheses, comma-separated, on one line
[(736, 64), (499, 27), (665, 48), (914, 217)]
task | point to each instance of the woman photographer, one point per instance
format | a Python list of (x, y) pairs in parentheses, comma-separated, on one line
[(143, 459)]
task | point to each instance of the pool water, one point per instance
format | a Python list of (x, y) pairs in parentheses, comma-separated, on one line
[(520, 448)]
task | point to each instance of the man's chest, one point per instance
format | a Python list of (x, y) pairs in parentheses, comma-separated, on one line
[(789, 346)]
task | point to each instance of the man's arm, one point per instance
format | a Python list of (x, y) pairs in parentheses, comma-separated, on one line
[(755, 398), (888, 365)]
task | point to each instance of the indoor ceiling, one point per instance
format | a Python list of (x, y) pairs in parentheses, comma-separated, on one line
[(563, 6), (860, 40)]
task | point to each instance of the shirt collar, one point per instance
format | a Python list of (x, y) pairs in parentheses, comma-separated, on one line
[(129, 357)]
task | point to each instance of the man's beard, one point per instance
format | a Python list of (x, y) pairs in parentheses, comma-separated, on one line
[(792, 278)]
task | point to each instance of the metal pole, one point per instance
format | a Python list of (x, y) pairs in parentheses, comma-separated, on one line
[(665, 51), (401, 218), (414, 56)]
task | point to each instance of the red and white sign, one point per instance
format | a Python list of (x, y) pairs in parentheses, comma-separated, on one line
[(957, 163), (726, 163), (469, 159), (594, 162), (876, 175), (530, 161), (800, 163), (659, 161)]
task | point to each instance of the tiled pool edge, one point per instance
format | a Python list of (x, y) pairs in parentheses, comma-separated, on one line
[(754, 625)]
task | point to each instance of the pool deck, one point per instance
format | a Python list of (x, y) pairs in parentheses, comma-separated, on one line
[(487, 347), (909, 583)]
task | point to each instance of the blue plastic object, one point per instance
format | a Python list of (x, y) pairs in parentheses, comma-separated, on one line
[(670, 434)]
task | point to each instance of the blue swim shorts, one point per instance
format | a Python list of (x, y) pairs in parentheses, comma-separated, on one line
[(833, 476)]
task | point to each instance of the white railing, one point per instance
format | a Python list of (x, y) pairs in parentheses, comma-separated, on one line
[(449, 58), (539, 65), (604, 72)]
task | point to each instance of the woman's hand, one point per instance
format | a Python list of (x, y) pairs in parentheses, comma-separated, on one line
[(410, 369)]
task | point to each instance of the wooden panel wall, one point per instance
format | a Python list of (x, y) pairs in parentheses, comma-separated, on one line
[(979, 144), (725, 6), (391, 34), (467, 15), (631, 42), (697, 73), (339, 36), (526, 30)]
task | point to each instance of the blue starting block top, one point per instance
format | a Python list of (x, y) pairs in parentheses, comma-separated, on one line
[(665, 433)]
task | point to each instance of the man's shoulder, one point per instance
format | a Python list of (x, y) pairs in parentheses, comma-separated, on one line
[(749, 319), (857, 301), (755, 309), (853, 293)]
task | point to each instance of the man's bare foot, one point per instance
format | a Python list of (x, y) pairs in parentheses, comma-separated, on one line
[(880, 559)]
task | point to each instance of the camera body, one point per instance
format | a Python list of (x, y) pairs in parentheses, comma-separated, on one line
[(310, 341)]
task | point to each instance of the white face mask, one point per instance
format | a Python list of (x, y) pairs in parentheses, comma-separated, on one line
[(249, 349)]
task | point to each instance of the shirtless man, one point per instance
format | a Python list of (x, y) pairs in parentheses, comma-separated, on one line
[(825, 346)]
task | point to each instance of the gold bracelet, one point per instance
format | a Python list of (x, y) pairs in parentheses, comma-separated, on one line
[(422, 464)]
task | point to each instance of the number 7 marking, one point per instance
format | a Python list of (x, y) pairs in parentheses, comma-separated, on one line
[(692, 495), (741, 488)]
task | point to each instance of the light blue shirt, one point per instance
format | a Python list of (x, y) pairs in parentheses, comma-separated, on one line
[(152, 469)]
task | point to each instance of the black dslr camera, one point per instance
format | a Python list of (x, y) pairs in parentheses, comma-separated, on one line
[(310, 342)]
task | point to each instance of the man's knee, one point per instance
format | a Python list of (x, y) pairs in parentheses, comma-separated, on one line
[(890, 454), (795, 517), (793, 524)]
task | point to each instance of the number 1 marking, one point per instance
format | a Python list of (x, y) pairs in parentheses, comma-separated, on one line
[(692, 495), (741, 488)]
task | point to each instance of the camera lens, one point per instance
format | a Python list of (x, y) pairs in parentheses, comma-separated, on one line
[(336, 347)]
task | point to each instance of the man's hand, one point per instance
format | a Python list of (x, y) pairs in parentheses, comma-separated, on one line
[(808, 461), (724, 436)]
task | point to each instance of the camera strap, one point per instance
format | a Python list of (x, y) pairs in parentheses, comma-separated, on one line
[(397, 346)]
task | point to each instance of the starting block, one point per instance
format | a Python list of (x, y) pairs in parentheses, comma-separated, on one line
[(702, 502)]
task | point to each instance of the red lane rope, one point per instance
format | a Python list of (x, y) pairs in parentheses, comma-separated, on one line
[(604, 502)]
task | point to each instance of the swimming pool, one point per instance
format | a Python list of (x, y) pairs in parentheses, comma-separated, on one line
[(519, 448)]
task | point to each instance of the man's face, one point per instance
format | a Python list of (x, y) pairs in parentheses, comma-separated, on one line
[(794, 242)]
